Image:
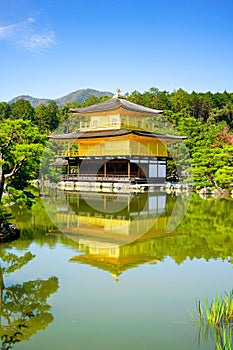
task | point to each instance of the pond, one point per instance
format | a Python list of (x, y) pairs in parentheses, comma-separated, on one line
[(95, 271)]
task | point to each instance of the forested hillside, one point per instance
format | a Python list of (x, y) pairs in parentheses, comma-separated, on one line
[(205, 118)]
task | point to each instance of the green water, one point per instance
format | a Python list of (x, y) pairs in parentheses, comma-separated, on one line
[(107, 272)]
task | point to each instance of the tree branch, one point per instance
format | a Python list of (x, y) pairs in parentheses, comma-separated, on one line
[(15, 168), (12, 294), (13, 138)]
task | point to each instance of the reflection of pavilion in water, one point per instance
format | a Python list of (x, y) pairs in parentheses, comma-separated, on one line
[(116, 232)]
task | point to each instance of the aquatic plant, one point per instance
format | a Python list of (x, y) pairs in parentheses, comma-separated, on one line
[(216, 320), (224, 338), (218, 312)]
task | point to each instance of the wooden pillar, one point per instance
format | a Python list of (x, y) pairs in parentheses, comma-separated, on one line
[(105, 203), (127, 120), (129, 168), (105, 169)]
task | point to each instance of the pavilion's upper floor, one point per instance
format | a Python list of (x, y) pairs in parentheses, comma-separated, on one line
[(114, 114)]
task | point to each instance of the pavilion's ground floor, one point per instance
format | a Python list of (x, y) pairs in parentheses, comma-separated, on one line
[(95, 173)]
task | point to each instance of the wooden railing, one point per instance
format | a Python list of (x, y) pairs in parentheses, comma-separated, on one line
[(85, 126), (68, 153), (102, 151), (97, 178), (131, 179)]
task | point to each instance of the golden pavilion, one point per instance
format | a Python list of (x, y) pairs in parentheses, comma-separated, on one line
[(113, 148)]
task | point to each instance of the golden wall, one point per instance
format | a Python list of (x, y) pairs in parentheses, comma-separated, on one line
[(122, 147), (116, 121)]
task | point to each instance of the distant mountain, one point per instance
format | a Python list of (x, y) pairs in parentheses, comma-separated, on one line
[(77, 96)]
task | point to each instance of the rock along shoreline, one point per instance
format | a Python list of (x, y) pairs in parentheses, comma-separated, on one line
[(8, 232)]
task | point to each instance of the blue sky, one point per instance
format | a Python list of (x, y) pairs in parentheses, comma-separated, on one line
[(50, 48)]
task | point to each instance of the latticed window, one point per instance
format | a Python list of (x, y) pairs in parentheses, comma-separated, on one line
[(95, 124), (114, 121)]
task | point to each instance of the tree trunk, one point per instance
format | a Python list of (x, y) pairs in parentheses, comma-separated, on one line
[(2, 287), (213, 183), (2, 178)]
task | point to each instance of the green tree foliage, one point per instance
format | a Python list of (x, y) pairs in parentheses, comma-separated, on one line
[(136, 97), (20, 148), (4, 110), (22, 109), (46, 117), (224, 175), (205, 119), (33, 223), (211, 153), (153, 99), (49, 155), (180, 102), (224, 114), (91, 100)]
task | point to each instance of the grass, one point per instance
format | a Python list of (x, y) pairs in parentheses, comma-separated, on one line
[(216, 319), (224, 339), (218, 312)]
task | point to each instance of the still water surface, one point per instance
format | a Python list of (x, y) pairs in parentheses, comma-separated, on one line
[(111, 275)]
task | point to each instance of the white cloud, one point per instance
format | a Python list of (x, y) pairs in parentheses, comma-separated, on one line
[(25, 35), (7, 31)]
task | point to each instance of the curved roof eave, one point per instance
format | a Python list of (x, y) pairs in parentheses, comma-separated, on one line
[(115, 103), (114, 133)]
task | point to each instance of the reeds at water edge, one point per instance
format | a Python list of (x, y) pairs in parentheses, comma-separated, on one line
[(218, 312), (216, 320)]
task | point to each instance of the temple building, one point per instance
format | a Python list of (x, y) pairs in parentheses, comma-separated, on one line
[(114, 148)]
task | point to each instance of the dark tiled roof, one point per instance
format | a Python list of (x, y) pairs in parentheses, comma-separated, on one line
[(115, 103), (159, 136), (114, 133)]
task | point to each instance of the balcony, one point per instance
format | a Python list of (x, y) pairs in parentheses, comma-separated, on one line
[(108, 178), (98, 178), (116, 148), (68, 153), (132, 125), (88, 126)]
